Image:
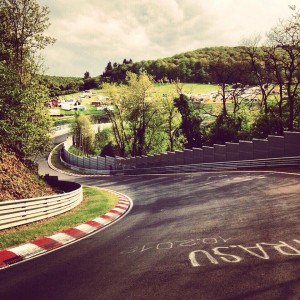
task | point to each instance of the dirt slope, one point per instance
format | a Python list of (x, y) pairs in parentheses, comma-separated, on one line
[(17, 181)]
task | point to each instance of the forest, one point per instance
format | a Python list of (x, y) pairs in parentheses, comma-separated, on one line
[(190, 67)]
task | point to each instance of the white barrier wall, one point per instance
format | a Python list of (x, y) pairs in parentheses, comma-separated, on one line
[(89, 163), (24, 211), (272, 147)]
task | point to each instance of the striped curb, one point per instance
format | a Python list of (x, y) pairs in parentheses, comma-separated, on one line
[(42, 245)]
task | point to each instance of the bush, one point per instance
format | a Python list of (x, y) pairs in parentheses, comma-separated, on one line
[(109, 150), (265, 125)]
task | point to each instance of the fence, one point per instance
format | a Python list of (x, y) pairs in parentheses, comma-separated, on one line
[(275, 150), (24, 211), (95, 163), (272, 147), (89, 163), (217, 166)]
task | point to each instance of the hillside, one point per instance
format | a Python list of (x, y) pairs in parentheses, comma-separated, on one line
[(191, 66), (17, 181)]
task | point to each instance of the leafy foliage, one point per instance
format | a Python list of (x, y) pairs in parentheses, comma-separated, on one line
[(58, 85), (83, 134), (191, 122), (24, 121), (272, 68), (193, 66)]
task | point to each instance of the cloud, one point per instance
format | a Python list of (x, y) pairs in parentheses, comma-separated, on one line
[(90, 33)]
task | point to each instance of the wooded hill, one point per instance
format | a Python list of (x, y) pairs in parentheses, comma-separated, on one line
[(59, 85), (193, 66)]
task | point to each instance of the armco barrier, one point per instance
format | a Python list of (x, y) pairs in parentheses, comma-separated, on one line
[(256, 153), (287, 145), (217, 166), (24, 211), (89, 164)]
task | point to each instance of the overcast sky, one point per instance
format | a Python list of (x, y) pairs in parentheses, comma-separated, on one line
[(90, 33)]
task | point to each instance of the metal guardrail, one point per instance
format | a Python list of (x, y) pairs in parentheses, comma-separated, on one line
[(90, 163), (218, 166), (24, 211)]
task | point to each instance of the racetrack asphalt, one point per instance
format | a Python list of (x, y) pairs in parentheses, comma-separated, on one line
[(218, 235)]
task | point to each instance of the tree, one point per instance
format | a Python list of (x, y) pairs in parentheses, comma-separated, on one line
[(191, 122), (224, 129), (83, 134), (284, 39), (265, 125), (117, 117), (90, 83), (141, 107), (172, 120), (260, 69), (24, 121), (134, 116), (221, 72), (103, 138), (108, 150), (108, 67), (86, 75)]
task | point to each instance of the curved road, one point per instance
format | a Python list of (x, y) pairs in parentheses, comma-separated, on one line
[(188, 236)]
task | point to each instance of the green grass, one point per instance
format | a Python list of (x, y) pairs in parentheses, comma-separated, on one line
[(55, 160), (58, 121), (159, 89), (189, 88), (96, 202)]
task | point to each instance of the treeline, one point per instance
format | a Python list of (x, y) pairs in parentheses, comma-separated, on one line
[(190, 67), (58, 85), (272, 68)]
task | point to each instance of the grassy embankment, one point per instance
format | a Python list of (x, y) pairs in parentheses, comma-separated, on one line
[(55, 160)]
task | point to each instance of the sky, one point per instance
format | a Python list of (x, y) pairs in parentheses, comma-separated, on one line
[(90, 33)]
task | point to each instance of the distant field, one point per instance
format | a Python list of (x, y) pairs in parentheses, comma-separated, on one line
[(189, 88), (208, 106), (90, 110), (159, 90)]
